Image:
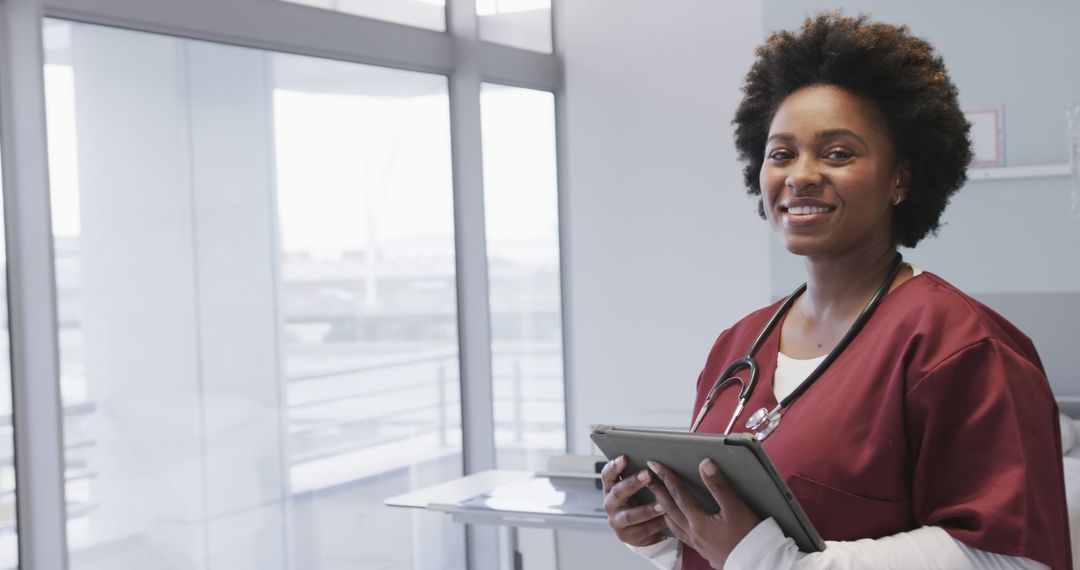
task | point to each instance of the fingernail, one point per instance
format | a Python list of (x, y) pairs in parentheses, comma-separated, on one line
[(643, 476), (652, 466), (658, 508), (618, 461), (709, 467)]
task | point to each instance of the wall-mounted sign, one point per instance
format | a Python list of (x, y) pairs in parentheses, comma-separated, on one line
[(987, 136)]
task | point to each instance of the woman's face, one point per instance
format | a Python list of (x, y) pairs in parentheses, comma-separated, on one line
[(830, 175)]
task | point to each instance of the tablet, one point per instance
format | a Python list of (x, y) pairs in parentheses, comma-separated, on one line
[(740, 458)]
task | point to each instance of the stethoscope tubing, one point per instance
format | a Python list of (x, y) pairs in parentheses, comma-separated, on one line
[(746, 388)]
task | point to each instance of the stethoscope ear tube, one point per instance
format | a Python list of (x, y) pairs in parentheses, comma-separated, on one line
[(764, 421), (745, 388), (728, 375)]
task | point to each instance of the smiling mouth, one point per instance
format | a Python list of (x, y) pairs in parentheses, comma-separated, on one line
[(807, 210)]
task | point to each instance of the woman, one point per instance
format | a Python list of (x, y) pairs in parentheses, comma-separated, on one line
[(931, 440)]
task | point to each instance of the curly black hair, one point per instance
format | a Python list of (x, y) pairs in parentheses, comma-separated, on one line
[(885, 64)]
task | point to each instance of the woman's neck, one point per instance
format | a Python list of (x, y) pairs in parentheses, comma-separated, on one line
[(837, 288)]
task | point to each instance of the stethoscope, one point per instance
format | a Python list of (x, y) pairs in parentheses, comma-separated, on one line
[(764, 421)]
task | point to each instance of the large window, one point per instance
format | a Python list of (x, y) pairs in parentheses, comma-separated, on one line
[(255, 272), (250, 287), (522, 228)]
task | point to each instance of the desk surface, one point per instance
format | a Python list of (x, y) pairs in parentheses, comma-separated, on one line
[(514, 498), (458, 490)]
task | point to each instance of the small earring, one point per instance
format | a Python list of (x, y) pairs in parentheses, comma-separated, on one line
[(896, 201)]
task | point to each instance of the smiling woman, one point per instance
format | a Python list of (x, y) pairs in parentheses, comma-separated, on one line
[(891, 381)]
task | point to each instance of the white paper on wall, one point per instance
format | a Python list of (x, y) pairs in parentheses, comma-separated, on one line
[(987, 140)]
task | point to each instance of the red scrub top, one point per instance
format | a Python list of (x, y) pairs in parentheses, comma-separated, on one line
[(937, 414)]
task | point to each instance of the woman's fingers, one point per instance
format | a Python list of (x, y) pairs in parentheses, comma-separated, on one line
[(664, 498), (717, 485), (619, 497), (636, 525), (679, 492), (678, 531), (609, 475), (645, 533), (737, 515), (636, 515)]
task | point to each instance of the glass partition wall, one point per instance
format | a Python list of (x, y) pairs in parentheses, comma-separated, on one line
[(521, 210), (258, 322), (262, 265)]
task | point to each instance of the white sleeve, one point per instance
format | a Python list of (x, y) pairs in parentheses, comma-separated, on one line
[(926, 547), (666, 554)]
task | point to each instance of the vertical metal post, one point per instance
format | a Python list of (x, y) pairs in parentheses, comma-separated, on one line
[(39, 454), (562, 161), (477, 414), (517, 561)]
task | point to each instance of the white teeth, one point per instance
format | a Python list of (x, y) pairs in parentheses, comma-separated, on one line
[(805, 210)]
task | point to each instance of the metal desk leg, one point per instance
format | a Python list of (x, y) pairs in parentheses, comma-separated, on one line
[(515, 554)]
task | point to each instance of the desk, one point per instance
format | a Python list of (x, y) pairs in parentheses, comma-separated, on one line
[(563, 501)]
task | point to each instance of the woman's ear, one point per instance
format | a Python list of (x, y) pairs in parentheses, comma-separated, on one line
[(902, 182)]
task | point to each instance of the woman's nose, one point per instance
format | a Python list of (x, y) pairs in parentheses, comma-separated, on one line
[(803, 176)]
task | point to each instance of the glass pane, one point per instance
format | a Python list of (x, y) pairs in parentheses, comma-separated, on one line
[(430, 14), (524, 24), (9, 543), (257, 323), (369, 306), (522, 224)]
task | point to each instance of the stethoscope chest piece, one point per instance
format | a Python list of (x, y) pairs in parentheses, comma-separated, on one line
[(763, 422)]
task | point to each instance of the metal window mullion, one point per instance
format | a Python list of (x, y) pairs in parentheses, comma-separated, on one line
[(474, 322), (519, 68), (473, 306), (562, 182), (39, 456)]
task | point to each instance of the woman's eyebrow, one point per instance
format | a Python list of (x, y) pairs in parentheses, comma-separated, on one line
[(784, 137), (833, 133), (828, 134)]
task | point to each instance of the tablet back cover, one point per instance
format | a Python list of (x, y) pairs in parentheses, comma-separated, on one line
[(740, 458)]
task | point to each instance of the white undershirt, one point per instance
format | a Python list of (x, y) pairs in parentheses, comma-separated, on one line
[(790, 372), (766, 546)]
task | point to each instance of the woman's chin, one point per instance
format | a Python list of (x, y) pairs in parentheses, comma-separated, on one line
[(804, 247)]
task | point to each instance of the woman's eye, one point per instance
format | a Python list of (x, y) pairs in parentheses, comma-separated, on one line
[(839, 154), (779, 155)]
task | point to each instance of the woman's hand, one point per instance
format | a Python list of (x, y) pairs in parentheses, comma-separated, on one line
[(713, 536), (636, 525)]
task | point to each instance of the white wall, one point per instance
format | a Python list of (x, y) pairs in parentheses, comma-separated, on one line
[(664, 249)]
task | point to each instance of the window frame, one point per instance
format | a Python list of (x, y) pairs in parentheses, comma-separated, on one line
[(268, 25)]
